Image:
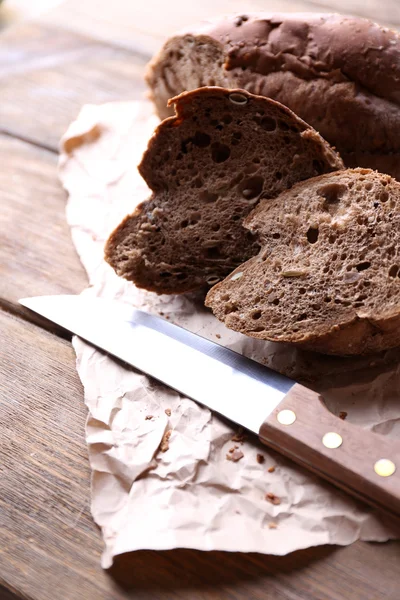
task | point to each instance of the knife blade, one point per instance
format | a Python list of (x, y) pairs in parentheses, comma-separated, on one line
[(287, 416)]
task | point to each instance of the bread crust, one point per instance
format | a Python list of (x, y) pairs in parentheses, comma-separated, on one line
[(340, 74)]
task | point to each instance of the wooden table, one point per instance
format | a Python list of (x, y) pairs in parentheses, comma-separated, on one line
[(49, 547)]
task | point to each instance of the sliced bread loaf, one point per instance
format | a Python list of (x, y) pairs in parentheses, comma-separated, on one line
[(327, 276), (208, 167), (339, 73)]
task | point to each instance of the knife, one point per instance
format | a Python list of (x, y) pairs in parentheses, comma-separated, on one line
[(286, 416)]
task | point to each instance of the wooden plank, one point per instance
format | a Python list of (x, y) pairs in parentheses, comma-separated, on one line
[(49, 546), (145, 25), (47, 74), (36, 252)]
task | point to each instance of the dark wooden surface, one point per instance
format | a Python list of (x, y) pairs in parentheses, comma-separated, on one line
[(49, 546)]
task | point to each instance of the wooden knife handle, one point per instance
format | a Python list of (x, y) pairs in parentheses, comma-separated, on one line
[(351, 466)]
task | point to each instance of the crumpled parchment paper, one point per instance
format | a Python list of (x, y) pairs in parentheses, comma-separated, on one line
[(190, 495)]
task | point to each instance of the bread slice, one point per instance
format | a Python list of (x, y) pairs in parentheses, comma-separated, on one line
[(208, 167), (327, 276), (339, 73)]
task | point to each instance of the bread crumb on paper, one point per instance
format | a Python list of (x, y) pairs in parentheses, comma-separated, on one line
[(342, 415), (272, 525), (235, 455), (149, 417), (217, 335), (272, 499), (164, 446), (168, 412), (239, 436), (271, 469), (260, 459)]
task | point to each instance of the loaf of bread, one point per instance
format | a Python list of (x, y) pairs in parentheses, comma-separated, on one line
[(327, 276), (341, 74), (207, 168)]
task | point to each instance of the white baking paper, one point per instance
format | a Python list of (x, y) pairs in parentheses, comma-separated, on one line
[(190, 495)]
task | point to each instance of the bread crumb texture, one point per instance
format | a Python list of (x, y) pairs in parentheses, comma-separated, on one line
[(208, 167), (327, 276)]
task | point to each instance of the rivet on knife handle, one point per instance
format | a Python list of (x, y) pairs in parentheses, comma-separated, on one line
[(359, 461)]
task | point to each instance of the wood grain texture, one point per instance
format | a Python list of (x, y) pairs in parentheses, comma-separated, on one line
[(47, 74), (48, 539), (50, 547), (350, 466), (36, 253), (144, 26)]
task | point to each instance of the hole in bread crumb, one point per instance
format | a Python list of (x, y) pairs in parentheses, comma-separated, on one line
[(252, 187), (368, 186), (216, 227), (256, 314), (220, 152), (230, 307), (165, 274), (393, 270), (207, 196), (332, 193), (318, 166), (201, 139), (384, 197), (186, 146), (184, 224), (327, 299), (278, 175), (257, 329), (283, 125), (363, 266), (276, 236), (198, 182), (213, 252), (391, 251), (302, 317), (275, 302), (302, 291), (181, 276), (268, 124), (227, 119), (312, 235)]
